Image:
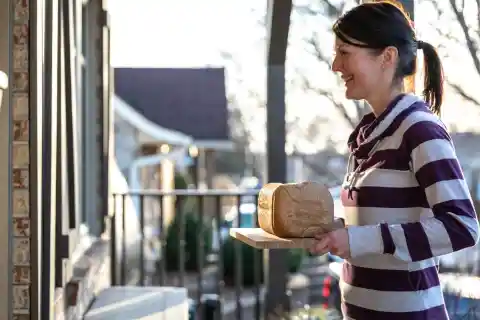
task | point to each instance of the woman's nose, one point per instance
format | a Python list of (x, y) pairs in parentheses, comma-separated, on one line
[(336, 65)]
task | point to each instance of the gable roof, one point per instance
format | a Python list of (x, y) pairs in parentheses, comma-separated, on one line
[(148, 130), (189, 100)]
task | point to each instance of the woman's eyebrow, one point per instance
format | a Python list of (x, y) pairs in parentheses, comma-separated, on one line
[(340, 46)]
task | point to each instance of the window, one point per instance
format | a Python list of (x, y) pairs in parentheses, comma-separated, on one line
[(80, 137)]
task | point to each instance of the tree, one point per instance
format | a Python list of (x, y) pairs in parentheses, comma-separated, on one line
[(350, 111), (463, 34), (325, 12), (314, 130)]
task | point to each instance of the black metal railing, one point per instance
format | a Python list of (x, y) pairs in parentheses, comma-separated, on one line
[(139, 221)]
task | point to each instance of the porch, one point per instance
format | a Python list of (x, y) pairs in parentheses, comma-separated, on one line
[(65, 231)]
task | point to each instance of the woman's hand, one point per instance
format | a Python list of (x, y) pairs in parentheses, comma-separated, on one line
[(335, 242)]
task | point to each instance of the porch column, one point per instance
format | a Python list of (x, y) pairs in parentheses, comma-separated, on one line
[(278, 25), (408, 6)]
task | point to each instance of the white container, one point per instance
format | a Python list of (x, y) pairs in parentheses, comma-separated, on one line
[(3, 84)]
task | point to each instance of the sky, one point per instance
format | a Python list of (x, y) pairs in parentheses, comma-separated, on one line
[(180, 33), (192, 33)]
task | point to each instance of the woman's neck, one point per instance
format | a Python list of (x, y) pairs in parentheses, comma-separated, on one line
[(380, 102)]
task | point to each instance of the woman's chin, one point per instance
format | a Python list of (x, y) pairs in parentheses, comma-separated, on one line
[(352, 95)]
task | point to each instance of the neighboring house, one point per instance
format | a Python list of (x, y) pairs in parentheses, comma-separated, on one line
[(189, 100), (184, 103), (159, 115), (133, 170), (132, 132), (173, 108)]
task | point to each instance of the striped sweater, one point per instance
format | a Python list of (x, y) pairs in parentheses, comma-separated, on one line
[(406, 202)]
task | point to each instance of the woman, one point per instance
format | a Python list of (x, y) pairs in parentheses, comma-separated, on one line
[(405, 198)]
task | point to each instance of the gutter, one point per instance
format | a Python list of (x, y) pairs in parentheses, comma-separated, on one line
[(152, 160)]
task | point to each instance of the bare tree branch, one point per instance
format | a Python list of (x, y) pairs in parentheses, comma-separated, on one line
[(478, 17), (318, 169), (314, 46), (329, 9), (314, 43), (471, 45), (461, 92), (339, 106), (468, 40)]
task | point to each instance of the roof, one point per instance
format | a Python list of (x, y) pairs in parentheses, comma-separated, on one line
[(148, 131), (189, 100)]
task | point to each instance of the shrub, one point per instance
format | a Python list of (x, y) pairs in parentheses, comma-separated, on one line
[(228, 251), (192, 230), (180, 181), (295, 258)]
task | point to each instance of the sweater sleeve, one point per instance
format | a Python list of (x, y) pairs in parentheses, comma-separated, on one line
[(454, 225)]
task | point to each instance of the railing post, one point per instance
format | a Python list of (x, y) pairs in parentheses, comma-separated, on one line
[(123, 260), (113, 243), (142, 239), (211, 307), (278, 24)]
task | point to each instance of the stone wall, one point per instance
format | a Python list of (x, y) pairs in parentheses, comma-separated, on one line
[(22, 151)]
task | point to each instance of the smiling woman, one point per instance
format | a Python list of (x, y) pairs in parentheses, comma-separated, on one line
[(404, 196), (386, 39)]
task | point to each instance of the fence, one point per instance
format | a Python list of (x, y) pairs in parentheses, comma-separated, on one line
[(140, 233)]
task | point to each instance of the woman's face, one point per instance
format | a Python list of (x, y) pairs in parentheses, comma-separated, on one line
[(360, 68)]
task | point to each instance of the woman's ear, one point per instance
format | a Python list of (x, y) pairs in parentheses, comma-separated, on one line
[(390, 57)]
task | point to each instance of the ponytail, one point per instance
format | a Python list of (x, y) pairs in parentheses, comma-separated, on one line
[(433, 73)]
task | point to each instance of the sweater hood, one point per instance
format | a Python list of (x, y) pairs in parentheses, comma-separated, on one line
[(372, 129)]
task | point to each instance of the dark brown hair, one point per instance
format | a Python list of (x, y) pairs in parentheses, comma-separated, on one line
[(381, 24)]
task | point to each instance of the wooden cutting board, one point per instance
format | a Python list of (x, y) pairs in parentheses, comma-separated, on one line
[(258, 238)]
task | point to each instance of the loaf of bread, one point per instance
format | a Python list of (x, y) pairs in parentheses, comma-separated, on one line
[(295, 210)]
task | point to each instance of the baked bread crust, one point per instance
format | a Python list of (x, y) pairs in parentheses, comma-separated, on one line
[(295, 210)]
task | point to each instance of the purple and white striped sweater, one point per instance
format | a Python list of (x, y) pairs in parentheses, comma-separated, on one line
[(406, 202)]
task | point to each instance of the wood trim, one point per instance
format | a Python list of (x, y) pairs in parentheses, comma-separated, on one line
[(49, 144)]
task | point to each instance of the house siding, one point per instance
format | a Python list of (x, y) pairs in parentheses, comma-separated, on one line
[(126, 144)]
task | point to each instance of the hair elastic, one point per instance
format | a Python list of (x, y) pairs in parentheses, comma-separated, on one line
[(420, 45)]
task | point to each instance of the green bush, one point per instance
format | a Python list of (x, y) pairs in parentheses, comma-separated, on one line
[(192, 231), (186, 203), (180, 181), (229, 263), (295, 258)]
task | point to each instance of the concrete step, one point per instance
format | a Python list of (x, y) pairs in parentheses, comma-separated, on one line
[(140, 303)]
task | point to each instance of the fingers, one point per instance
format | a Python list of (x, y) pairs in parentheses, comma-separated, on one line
[(321, 246), (320, 236)]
